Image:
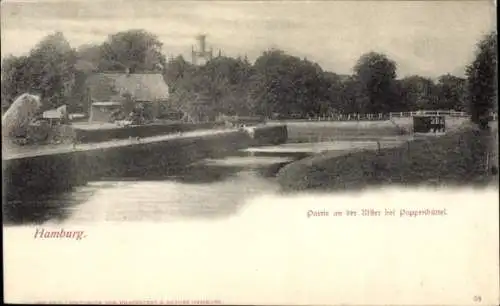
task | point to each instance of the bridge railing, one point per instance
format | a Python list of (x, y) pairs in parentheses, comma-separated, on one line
[(437, 113), (382, 116), (429, 113), (343, 117)]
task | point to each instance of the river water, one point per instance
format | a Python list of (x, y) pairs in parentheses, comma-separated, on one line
[(206, 190), (209, 189)]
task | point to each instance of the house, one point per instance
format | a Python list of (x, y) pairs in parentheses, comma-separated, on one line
[(56, 116), (108, 91)]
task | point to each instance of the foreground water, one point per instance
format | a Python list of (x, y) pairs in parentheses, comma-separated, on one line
[(202, 191), (207, 190)]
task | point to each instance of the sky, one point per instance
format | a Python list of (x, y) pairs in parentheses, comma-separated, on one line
[(428, 38)]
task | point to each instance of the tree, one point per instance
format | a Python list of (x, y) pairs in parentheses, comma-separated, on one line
[(451, 92), (286, 85), (15, 79), (230, 78), (204, 91), (330, 94), (133, 50), (88, 58), (175, 71), (53, 69), (353, 98), (418, 93), (48, 70), (482, 81), (377, 75)]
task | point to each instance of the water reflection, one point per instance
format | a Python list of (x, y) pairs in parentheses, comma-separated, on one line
[(40, 208), (202, 190)]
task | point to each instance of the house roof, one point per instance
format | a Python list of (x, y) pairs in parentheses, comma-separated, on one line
[(142, 87)]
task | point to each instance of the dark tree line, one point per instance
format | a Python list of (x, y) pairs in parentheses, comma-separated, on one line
[(276, 84), (482, 81)]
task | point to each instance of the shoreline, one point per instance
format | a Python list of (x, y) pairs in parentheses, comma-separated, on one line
[(451, 159)]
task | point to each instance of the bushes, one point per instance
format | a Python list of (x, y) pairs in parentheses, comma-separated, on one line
[(456, 158)]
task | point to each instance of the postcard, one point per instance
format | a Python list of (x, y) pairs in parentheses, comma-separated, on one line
[(250, 152)]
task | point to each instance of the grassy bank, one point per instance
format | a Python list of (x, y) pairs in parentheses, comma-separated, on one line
[(453, 159)]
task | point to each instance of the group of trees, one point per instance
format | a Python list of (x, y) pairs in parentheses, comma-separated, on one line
[(278, 83), (57, 72), (275, 84)]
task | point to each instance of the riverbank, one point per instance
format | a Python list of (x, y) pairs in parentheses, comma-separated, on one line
[(452, 159)]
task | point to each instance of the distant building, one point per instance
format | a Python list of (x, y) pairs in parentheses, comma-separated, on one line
[(56, 116), (108, 92), (201, 55)]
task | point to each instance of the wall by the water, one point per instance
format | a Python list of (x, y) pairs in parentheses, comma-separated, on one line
[(99, 135), (270, 135), (54, 172)]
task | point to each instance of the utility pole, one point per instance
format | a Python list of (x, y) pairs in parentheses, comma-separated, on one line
[(89, 101)]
